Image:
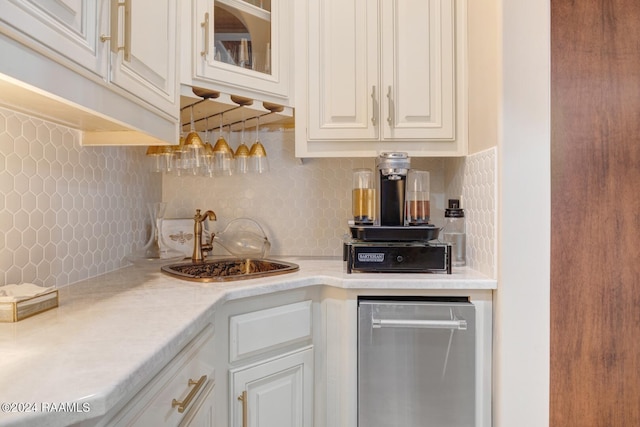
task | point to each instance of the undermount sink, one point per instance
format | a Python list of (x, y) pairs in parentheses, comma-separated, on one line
[(228, 269)]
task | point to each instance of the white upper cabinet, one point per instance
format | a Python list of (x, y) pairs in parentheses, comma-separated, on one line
[(417, 93), (343, 73), (68, 28), (376, 76), (242, 47), (106, 67), (144, 50)]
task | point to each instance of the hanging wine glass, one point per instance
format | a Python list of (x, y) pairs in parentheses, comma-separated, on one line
[(207, 170), (258, 155), (178, 157), (155, 159), (233, 156), (242, 154), (222, 154), (194, 146)]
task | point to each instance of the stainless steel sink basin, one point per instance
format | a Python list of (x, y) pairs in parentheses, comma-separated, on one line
[(228, 269)]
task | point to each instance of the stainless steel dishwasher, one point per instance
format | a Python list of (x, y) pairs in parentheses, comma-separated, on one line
[(416, 362)]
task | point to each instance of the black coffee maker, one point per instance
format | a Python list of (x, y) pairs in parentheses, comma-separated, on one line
[(392, 176), (388, 245)]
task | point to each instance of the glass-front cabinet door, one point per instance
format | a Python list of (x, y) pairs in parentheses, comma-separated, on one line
[(243, 46), (242, 34)]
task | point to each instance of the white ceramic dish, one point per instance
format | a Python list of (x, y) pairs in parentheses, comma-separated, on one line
[(177, 234)]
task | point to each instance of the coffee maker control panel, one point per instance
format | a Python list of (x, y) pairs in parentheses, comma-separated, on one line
[(397, 257)]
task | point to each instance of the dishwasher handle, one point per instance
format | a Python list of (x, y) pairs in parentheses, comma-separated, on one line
[(458, 324)]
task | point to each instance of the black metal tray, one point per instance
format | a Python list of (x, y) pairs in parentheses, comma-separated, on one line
[(381, 233)]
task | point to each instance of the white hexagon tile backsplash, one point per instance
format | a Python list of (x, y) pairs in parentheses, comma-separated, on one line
[(474, 180), (67, 212), (304, 205)]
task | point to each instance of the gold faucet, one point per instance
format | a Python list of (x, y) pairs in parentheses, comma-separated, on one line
[(197, 233)]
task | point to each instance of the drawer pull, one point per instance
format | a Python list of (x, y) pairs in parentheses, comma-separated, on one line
[(205, 25), (198, 385), (243, 398)]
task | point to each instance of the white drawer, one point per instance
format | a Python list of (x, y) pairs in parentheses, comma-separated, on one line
[(183, 380), (264, 330)]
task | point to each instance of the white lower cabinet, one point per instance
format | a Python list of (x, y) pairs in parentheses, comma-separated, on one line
[(275, 393), (182, 394), (269, 362)]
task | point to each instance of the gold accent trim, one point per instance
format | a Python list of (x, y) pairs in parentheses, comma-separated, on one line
[(287, 267), (16, 311), (182, 405), (205, 51), (127, 31), (258, 150), (193, 140), (245, 408), (242, 151), (222, 146), (197, 233), (115, 22)]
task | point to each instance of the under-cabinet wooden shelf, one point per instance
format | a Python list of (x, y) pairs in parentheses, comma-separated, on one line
[(234, 111)]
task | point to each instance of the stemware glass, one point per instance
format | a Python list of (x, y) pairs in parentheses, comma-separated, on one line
[(242, 154), (155, 159), (195, 150), (155, 250), (222, 154), (178, 158), (258, 155), (207, 169)]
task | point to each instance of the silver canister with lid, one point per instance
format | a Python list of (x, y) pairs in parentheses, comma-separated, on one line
[(454, 233)]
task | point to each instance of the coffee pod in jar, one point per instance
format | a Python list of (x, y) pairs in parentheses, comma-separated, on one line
[(417, 207), (363, 196)]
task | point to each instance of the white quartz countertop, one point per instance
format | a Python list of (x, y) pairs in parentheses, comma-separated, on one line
[(112, 333)]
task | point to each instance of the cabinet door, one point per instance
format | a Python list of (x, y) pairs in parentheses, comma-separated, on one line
[(276, 393), (418, 70), (144, 51), (58, 28), (243, 46), (343, 91)]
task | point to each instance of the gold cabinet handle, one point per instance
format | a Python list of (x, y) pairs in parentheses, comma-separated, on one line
[(185, 403), (245, 405), (374, 104), (390, 100), (127, 30), (115, 20), (205, 25)]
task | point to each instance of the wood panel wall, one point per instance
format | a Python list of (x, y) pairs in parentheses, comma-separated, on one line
[(595, 213)]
